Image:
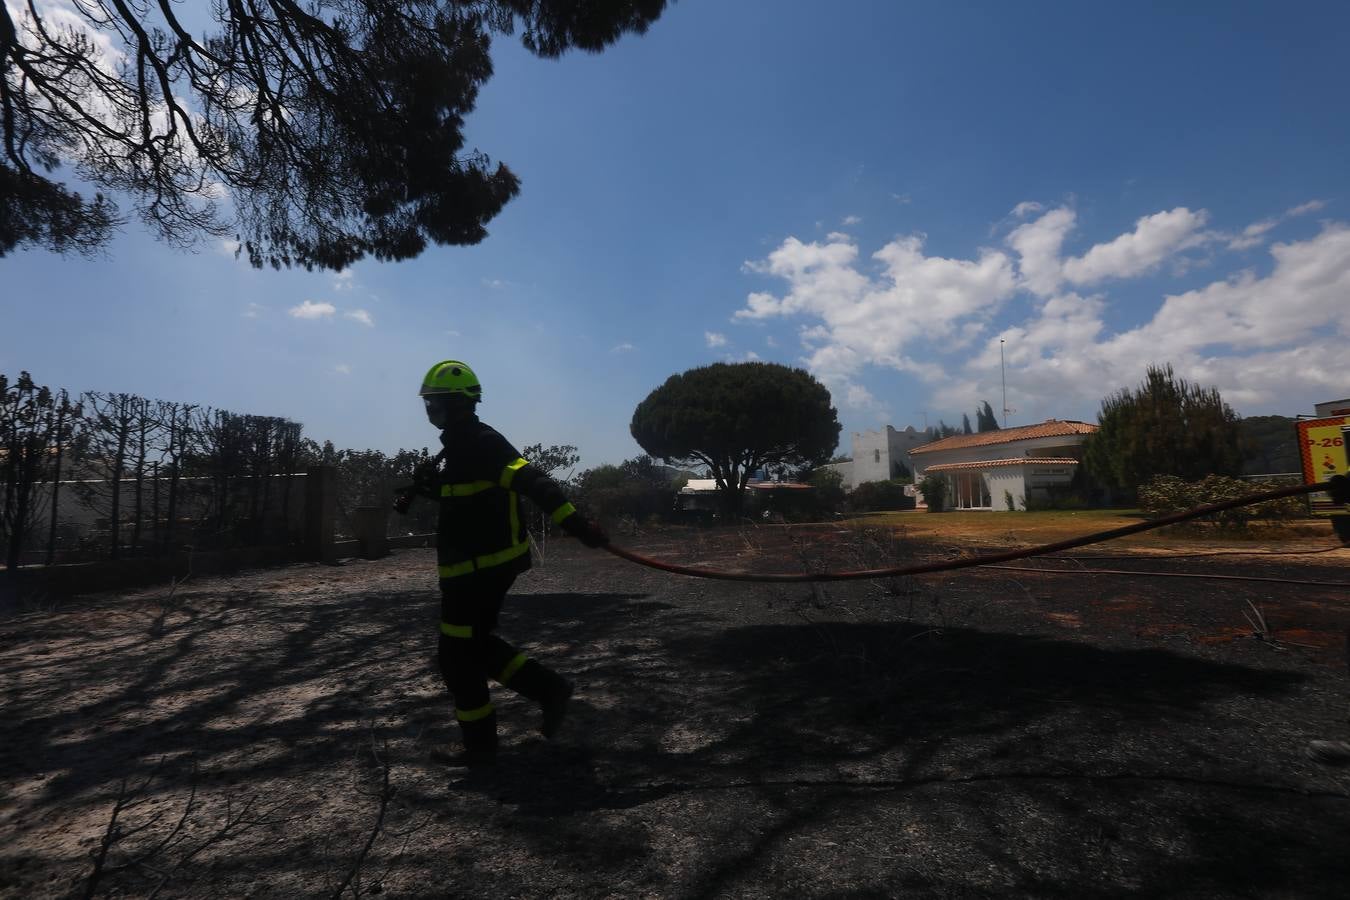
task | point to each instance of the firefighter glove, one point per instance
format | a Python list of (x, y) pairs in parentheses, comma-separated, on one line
[(585, 531), (1338, 486)]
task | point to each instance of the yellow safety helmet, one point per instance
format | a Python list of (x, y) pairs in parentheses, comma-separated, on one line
[(453, 378)]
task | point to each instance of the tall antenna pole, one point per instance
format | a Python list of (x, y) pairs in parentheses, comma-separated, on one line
[(1003, 376)]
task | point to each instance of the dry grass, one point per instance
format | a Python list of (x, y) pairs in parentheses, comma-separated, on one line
[(1027, 528)]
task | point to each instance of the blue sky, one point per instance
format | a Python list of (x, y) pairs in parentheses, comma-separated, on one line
[(879, 192)]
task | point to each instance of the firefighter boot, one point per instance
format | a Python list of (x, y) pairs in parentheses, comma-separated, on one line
[(480, 742), (547, 688), (1332, 753)]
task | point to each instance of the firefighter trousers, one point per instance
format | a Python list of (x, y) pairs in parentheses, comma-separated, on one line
[(470, 652)]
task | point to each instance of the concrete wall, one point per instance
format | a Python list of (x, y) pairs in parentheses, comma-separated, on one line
[(84, 507), (307, 533), (877, 455)]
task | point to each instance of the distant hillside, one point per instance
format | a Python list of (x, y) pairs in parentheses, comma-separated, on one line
[(677, 475), (1270, 445)]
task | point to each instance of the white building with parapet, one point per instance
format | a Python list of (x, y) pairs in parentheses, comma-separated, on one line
[(879, 455)]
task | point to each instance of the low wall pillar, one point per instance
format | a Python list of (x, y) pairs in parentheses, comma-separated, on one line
[(320, 512)]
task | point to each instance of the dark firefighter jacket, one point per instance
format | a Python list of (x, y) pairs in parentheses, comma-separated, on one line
[(480, 480)]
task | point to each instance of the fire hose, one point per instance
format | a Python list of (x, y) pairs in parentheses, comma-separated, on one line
[(1338, 487)]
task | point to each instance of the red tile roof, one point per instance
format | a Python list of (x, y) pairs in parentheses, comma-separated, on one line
[(1048, 428), (1015, 461)]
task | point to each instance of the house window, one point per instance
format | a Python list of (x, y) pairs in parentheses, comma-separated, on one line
[(876, 456)]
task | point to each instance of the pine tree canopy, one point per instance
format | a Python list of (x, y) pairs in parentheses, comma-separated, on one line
[(316, 134), (738, 418), (1167, 426)]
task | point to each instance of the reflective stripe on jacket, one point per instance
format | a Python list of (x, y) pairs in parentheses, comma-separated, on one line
[(481, 480)]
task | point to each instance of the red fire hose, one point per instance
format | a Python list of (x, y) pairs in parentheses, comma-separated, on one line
[(970, 561)]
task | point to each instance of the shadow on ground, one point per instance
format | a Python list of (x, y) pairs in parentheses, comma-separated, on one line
[(705, 756), (1058, 767)]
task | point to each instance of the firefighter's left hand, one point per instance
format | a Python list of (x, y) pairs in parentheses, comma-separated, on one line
[(1338, 486), (585, 531)]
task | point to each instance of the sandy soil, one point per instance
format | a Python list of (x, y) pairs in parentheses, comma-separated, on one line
[(982, 733)]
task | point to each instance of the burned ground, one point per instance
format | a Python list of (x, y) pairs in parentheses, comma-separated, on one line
[(987, 732)]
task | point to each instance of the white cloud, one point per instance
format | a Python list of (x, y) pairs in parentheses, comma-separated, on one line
[(253, 310), (1257, 338), (1304, 208), (858, 397), (625, 347), (1305, 292), (1254, 235), (1153, 240), (452, 332), (64, 18), (344, 280), (342, 369), (872, 320), (360, 315), (902, 199), (769, 340), (1260, 338), (1026, 208), (751, 356), (851, 220), (311, 310), (714, 339), (1038, 245)]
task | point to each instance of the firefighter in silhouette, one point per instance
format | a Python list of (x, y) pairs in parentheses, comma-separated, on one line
[(1333, 752), (482, 545)]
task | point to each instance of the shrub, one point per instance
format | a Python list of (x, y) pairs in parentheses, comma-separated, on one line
[(828, 497), (879, 495), (1167, 494), (934, 488), (637, 489)]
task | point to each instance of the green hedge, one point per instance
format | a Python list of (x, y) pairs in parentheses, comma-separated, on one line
[(880, 495), (1167, 494)]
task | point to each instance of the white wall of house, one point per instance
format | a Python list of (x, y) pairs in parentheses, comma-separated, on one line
[(877, 455), (1040, 477), (845, 470), (1058, 445), (1004, 481)]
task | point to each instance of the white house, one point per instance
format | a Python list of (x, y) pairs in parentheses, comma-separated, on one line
[(991, 469)]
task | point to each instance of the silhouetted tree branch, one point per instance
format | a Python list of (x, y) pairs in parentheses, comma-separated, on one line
[(317, 134)]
